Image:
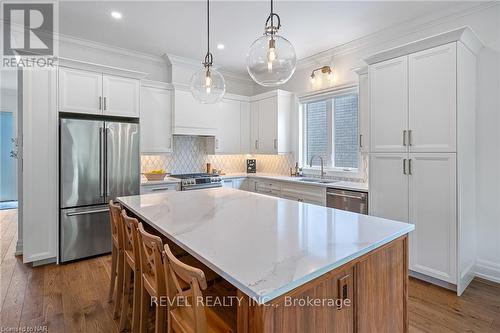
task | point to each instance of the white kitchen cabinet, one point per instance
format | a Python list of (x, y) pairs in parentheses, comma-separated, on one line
[(389, 105), (227, 183), (89, 92), (160, 188), (228, 138), (304, 193), (192, 117), (120, 96), (245, 128), (156, 119), (432, 210), (80, 91), (271, 122), (364, 110), (240, 184), (439, 155), (268, 187), (389, 186), (433, 99)]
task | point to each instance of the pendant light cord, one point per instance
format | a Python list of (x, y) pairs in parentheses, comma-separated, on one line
[(208, 57), (272, 12)]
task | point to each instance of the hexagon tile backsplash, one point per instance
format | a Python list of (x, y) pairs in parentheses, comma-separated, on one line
[(189, 155)]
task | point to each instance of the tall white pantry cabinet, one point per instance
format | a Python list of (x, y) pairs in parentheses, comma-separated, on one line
[(422, 150)]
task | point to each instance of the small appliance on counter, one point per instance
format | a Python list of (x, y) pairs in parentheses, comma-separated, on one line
[(251, 166)]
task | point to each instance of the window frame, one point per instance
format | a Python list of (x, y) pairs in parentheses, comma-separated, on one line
[(330, 171)]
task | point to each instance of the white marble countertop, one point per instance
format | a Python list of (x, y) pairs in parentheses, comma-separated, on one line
[(265, 246), (345, 185)]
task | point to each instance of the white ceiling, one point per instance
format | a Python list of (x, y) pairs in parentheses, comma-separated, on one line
[(179, 27)]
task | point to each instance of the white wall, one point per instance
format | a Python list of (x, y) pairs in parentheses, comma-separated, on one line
[(485, 22)]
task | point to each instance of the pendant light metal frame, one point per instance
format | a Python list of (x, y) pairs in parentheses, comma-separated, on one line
[(207, 64)]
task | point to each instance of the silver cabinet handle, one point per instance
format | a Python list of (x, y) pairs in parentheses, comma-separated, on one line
[(170, 143), (100, 102), (256, 144), (275, 143), (404, 166), (409, 167), (216, 143), (361, 141), (404, 137), (101, 162), (159, 189), (104, 103), (95, 211), (409, 137)]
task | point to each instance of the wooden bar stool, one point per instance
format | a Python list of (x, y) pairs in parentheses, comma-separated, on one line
[(132, 267), (152, 279), (117, 257), (193, 317)]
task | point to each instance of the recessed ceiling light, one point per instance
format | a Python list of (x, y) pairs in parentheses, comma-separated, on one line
[(116, 15), (220, 46)]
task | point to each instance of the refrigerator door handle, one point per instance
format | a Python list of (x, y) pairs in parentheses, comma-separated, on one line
[(106, 132), (101, 162), (86, 212)]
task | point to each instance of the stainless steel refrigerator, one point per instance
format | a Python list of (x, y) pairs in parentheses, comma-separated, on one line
[(99, 161)]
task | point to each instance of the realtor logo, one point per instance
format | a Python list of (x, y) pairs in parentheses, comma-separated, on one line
[(28, 29)]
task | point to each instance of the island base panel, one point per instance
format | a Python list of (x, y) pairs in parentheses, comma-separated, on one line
[(375, 285)]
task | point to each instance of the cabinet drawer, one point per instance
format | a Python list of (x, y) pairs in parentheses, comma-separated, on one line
[(304, 193), (159, 188)]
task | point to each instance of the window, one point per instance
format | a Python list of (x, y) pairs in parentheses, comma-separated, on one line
[(330, 130)]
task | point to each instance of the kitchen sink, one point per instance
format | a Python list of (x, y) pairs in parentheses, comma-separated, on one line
[(317, 180)]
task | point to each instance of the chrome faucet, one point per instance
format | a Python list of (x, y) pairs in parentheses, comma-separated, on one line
[(322, 167)]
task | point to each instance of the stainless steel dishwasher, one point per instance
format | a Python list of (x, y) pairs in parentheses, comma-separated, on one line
[(352, 201)]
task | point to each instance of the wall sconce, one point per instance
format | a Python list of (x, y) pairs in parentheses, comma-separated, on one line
[(325, 70)]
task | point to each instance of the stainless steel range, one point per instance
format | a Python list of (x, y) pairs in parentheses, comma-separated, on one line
[(196, 181)]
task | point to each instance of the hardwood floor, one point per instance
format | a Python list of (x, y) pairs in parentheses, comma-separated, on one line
[(72, 297)]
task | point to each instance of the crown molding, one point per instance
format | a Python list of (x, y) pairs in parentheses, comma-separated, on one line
[(360, 70), (156, 84), (392, 33), (89, 66), (155, 59), (464, 35)]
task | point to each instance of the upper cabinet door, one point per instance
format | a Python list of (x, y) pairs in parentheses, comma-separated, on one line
[(121, 96), (254, 127), (156, 120), (268, 126), (433, 99), (245, 128), (389, 186), (228, 136), (80, 91), (364, 114), (389, 105), (433, 211)]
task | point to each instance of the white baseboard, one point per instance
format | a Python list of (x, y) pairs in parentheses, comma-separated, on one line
[(488, 270)]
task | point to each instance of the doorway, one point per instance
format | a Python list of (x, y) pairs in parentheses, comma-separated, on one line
[(8, 139)]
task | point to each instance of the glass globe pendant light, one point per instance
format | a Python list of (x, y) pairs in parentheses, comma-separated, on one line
[(207, 85), (271, 58)]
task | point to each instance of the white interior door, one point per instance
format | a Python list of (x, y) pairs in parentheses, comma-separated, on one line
[(388, 105), (156, 120), (121, 96), (433, 211), (389, 186), (433, 99), (268, 127), (80, 91)]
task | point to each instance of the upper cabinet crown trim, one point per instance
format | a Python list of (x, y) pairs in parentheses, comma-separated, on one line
[(156, 84), (464, 35), (89, 66), (269, 94)]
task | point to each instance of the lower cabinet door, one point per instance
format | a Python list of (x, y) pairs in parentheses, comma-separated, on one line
[(389, 186), (433, 211)]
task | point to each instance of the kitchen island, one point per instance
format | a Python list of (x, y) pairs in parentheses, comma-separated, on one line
[(297, 267)]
